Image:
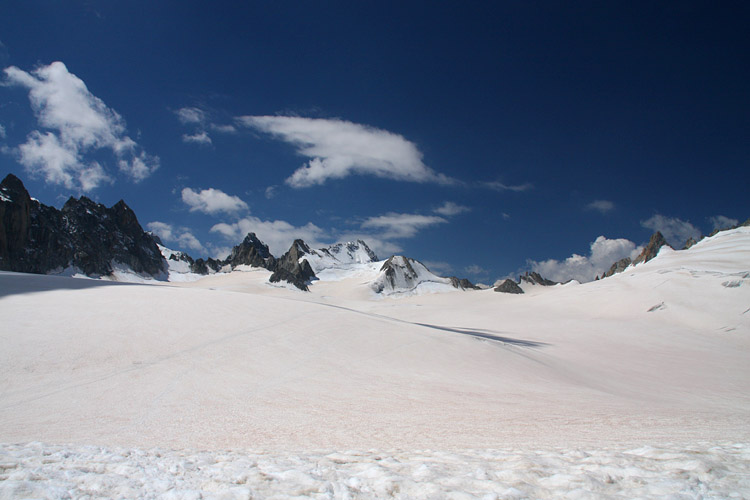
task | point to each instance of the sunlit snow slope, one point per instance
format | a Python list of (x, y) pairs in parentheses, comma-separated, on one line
[(658, 353)]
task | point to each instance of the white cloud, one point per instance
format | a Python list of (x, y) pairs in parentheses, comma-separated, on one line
[(78, 122), (191, 116), (212, 201), (338, 148), (271, 192), (674, 230), (603, 253), (476, 270), (175, 235), (224, 129), (722, 222), (278, 234), (200, 137), (602, 206), (450, 209), (395, 226)]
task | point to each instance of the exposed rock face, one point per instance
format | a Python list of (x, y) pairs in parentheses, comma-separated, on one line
[(618, 267), (689, 243), (291, 267), (251, 252), (205, 266), (535, 278), (463, 283), (509, 286), (652, 249), (37, 238)]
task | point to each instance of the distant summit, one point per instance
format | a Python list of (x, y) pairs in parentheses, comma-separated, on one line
[(401, 274)]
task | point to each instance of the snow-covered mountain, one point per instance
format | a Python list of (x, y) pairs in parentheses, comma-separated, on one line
[(340, 255), (401, 275)]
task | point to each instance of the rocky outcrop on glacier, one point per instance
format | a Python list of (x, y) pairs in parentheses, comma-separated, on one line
[(652, 248), (534, 278), (293, 267), (85, 235), (509, 286)]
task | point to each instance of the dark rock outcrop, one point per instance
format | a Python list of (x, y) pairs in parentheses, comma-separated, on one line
[(251, 252), (652, 248), (689, 243), (292, 268), (509, 286), (36, 238), (463, 283), (618, 267), (535, 278)]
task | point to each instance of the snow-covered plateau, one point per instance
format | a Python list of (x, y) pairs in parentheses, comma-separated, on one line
[(637, 385)]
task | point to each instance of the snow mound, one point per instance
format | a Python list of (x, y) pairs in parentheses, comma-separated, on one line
[(340, 255), (401, 275)]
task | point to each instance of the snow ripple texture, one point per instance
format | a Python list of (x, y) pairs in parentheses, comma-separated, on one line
[(35, 470)]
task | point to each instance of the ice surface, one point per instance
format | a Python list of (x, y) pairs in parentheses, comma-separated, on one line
[(584, 392), (41, 471)]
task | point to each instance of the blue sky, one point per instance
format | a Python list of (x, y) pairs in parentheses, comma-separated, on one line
[(481, 138)]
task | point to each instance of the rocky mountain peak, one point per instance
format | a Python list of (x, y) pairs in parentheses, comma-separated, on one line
[(252, 252), (36, 238), (534, 278), (509, 286), (292, 268), (652, 248)]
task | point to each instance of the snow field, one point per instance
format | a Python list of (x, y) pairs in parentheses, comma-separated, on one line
[(43, 471)]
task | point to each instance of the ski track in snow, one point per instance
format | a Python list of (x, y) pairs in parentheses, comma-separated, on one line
[(43, 471)]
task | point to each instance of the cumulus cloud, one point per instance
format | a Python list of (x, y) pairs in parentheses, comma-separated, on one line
[(674, 230), (603, 253), (450, 209), (77, 123), (339, 148), (277, 234), (601, 206), (395, 226), (722, 222), (212, 201), (180, 236)]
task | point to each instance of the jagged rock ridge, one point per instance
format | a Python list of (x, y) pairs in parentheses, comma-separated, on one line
[(36, 238)]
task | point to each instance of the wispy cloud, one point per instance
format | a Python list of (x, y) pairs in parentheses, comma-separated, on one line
[(601, 206), (200, 121), (339, 148), (722, 222), (212, 201), (603, 253), (675, 231), (395, 225), (449, 209), (198, 138), (501, 186), (77, 123)]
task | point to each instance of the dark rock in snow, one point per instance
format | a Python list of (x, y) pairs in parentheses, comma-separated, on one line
[(535, 278), (251, 252), (618, 267), (652, 248), (509, 286), (37, 238), (689, 243), (463, 283), (292, 268)]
